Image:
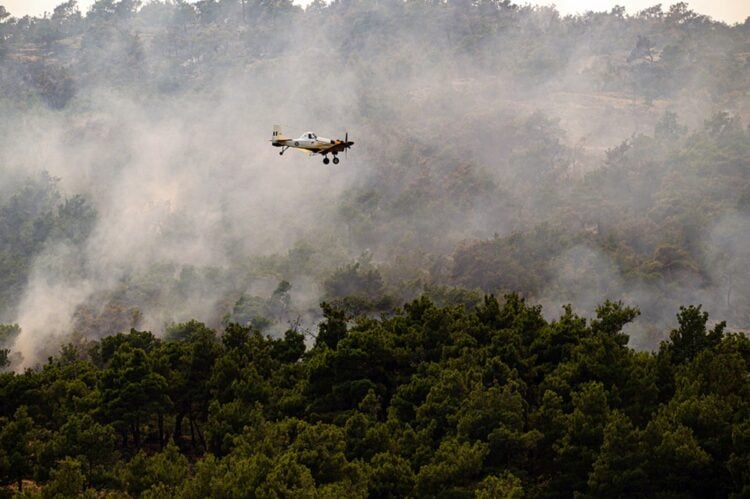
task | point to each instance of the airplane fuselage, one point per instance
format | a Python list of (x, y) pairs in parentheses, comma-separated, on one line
[(310, 142), (317, 144)]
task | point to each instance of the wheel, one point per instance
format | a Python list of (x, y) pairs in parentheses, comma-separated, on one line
[(335, 160), (281, 153), (326, 160)]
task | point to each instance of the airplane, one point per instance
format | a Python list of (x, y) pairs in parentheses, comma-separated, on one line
[(311, 143)]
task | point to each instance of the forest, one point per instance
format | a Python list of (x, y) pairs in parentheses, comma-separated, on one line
[(492, 401), (528, 277)]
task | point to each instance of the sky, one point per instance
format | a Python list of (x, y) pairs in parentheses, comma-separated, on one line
[(729, 11)]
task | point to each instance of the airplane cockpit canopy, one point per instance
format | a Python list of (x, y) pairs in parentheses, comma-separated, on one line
[(309, 135)]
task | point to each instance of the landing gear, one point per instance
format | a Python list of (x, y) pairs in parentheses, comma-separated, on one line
[(283, 148), (326, 160)]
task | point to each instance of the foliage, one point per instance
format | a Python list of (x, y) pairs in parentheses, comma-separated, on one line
[(32, 216), (429, 401)]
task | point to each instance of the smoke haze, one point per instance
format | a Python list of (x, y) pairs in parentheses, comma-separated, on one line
[(480, 131), (729, 11)]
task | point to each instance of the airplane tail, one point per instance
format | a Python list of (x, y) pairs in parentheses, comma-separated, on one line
[(278, 136)]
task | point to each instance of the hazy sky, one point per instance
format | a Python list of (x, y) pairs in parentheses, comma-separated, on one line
[(730, 11)]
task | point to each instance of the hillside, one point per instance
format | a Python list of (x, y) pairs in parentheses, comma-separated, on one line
[(593, 166)]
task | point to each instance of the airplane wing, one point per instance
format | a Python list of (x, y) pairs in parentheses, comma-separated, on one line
[(336, 148), (304, 151)]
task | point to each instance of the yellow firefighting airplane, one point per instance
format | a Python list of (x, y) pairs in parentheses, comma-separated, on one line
[(311, 143)]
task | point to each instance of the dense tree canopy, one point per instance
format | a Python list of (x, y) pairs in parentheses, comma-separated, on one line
[(429, 401)]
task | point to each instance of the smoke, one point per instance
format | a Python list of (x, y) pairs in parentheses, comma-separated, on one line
[(185, 183), (585, 277), (470, 126), (727, 255)]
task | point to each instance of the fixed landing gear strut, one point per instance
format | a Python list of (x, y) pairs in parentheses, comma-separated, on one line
[(283, 149)]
